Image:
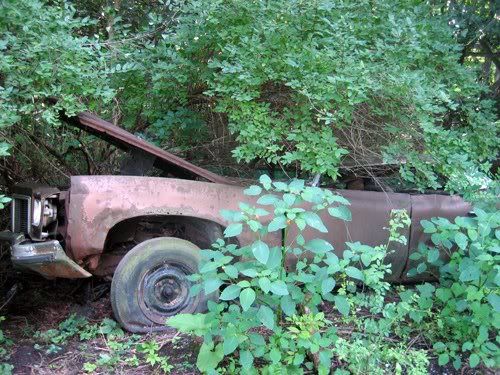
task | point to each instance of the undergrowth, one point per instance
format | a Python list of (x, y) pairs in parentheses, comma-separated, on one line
[(270, 317), (121, 349), (5, 343)]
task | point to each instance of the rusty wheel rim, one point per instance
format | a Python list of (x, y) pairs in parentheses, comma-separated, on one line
[(164, 291)]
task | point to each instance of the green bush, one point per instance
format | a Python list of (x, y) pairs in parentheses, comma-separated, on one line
[(465, 308), (272, 313), (5, 368), (303, 83)]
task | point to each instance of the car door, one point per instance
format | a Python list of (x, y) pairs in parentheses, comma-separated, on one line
[(370, 215)]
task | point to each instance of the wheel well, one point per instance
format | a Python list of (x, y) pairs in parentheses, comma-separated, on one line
[(128, 233)]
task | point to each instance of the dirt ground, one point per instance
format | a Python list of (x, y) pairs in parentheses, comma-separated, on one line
[(41, 305)]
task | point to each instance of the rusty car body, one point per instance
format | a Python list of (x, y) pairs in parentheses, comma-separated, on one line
[(89, 228)]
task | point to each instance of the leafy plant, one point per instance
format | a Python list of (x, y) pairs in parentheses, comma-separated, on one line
[(5, 368), (328, 73), (465, 307), (368, 357), (151, 350), (123, 350), (270, 311), (3, 201)]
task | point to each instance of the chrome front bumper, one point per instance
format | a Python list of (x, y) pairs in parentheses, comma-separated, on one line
[(46, 258)]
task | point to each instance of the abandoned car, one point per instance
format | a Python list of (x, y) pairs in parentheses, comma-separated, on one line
[(146, 232)]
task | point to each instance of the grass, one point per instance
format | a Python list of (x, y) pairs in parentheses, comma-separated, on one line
[(66, 327)]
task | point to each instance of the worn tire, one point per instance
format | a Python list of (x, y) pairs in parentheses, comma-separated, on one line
[(149, 284)]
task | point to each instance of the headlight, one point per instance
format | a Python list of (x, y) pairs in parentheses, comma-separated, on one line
[(37, 212)]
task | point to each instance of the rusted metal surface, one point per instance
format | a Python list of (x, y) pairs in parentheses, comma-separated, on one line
[(98, 203), (125, 140), (98, 210), (370, 215), (46, 258)]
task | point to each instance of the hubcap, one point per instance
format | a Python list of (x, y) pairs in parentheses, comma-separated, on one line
[(164, 291)]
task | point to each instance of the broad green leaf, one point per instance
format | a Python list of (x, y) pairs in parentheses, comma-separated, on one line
[(230, 344), (318, 245), (259, 212), (289, 199), (279, 288), (243, 284), (474, 360), (254, 225), (415, 256), (246, 359), (209, 266), (301, 223), (265, 284), (288, 305), (426, 289), (429, 227), (366, 259), (461, 240), (280, 186), (253, 190), (472, 233), (247, 297), (260, 251), (439, 346), (209, 357), (298, 359), (268, 199), (354, 272), (231, 216), (233, 230), (265, 181), (266, 316), (342, 304), (257, 339), (195, 290), (275, 257), (443, 359), (231, 292), (275, 355), (231, 271), (279, 222), (494, 300), (341, 212), (422, 267), (314, 221), (468, 270), (432, 255), (339, 199), (296, 185), (250, 272), (211, 285), (189, 323), (444, 294), (327, 285), (467, 346)]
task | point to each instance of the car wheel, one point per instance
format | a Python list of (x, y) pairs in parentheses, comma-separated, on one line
[(150, 284)]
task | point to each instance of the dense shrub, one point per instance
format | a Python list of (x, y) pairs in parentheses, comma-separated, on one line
[(5, 343), (303, 83), (271, 314), (465, 307)]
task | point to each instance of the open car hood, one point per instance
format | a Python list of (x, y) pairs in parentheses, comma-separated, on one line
[(125, 140)]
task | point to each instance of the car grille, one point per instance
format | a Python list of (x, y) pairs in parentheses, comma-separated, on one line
[(21, 214)]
